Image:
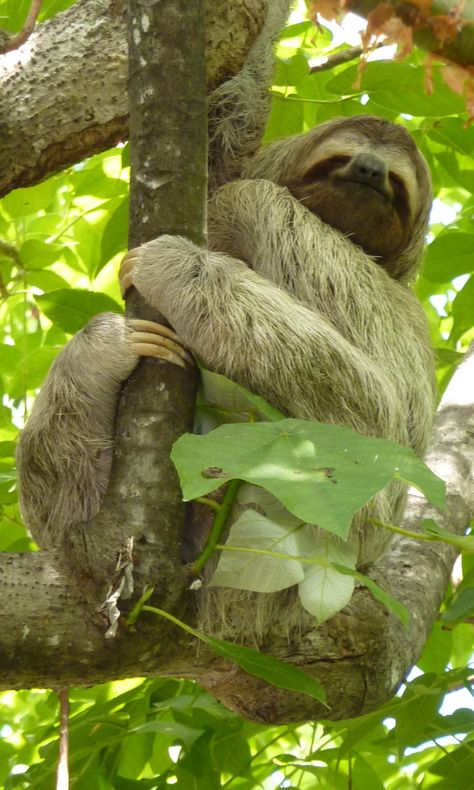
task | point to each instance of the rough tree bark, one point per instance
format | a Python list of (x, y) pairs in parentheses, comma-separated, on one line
[(360, 655), (49, 637), (80, 58), (63, 94), (168, 194)]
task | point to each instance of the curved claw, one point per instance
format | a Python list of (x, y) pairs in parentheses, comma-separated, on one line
[(126, 270), (155, 340)]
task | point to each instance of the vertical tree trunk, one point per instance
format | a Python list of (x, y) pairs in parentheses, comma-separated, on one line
[(168, 141), (141, 520)]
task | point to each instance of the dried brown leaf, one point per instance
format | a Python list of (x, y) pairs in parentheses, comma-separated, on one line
[(328, 9)]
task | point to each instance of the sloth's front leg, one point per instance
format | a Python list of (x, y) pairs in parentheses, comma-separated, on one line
[(65, 451), (149, 338)]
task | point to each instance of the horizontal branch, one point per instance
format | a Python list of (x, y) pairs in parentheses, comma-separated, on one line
[(442, 27), (360, 655), (63, 94)]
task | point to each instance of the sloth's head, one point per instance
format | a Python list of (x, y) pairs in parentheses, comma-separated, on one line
[(364, 176)]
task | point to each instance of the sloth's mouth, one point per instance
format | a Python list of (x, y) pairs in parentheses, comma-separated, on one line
[(377, 189)]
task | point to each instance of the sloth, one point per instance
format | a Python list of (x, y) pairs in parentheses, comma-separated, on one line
[(303, 297)]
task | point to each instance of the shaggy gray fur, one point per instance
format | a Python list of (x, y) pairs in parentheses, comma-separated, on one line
[(282, 303)]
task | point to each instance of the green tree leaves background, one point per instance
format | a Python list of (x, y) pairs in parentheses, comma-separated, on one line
[(60, 242)]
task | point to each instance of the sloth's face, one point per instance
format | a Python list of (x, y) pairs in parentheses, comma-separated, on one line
[(364, 186)]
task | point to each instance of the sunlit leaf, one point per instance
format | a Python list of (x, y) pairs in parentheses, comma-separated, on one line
[(265, 667), (322, 473), (71, 309)]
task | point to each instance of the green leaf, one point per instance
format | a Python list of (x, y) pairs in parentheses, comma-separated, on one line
[(36, 254), (399, 88), (269, 669), (322, 473), (45, 279), (462, 310), (437, 650), (325, 590), (263, 573), (86, 240), (421, 701), (456, 768), (173, 729), (454, 134), (126, 155), (10, 358), (115, 235), (7, 449), (290, 71), (381, 595), (448, 256), (364, 777), (462, 607), (7, 493), (463, 542), (221, 400), (24, 202), (71, 309), (94, 181), (31, 370)]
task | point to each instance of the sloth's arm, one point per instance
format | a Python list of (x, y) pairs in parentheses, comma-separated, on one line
[(245, 327), (239, 108), (65, 451)]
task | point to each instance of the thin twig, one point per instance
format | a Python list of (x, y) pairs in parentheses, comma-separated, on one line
[(16, 41), (62, 775), (344, 56)]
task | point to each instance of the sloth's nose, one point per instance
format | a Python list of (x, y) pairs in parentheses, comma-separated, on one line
[(368, 169)]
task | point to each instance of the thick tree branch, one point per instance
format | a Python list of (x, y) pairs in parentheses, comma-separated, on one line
[(361, 654), (436, 29), (63, 94)]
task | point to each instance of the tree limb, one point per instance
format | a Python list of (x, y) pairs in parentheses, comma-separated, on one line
[(445, 29), (63, 94), (361, 655)]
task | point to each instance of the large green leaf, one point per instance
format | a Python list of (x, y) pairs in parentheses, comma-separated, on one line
[(448, 256), (463, 310), (222, 400), (399, 87), (322, 473), (71, 309), (272, 671), (115, 235)]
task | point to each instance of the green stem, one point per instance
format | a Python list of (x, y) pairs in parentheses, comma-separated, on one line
[(175, 621), (278, 555), (407, 533), (142, 606), (204, 500), (218, 525)]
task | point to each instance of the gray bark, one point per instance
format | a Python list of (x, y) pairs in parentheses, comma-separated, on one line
[(47, 637), (63, 94), (79, 59)]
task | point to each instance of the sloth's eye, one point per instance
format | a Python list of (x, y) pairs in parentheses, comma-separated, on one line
[(397, 183), (338, 161), (327, 166)]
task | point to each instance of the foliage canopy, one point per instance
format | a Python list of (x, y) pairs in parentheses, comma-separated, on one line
[(60, 243)]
